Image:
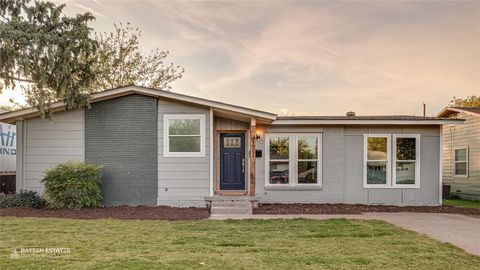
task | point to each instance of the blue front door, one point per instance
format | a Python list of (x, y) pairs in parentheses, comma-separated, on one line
[(232, 161)]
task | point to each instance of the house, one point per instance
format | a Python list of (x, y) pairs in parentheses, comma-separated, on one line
[(461, 151), (164, 148)]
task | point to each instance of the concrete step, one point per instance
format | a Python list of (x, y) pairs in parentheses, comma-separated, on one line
[(231, 204), (231, 207), (231, 211)]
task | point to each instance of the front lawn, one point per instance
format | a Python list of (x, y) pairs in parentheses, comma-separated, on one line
[(462, 203), (213, 244)]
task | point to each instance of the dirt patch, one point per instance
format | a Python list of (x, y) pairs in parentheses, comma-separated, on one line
[(356, 209), (117, 212)]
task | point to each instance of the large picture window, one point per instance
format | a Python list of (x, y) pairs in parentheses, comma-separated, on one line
[(406, 156), (461, 162), (184, 135), (293, 159)]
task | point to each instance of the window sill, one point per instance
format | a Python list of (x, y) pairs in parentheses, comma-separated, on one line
[(389, 187), (184, 155), (295, 188)]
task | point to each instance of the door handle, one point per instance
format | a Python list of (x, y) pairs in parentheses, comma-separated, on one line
[(243, 165)]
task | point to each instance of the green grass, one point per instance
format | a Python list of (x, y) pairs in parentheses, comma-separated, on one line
[(462, 203), (239, 244)]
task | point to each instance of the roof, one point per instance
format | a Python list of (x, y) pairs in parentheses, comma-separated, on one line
[(133, 89), (220, 108), (475, 111), (364, 120)]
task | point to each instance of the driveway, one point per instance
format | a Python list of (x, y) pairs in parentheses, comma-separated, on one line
[(459, 230)]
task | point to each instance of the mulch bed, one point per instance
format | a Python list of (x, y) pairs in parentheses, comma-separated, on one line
[(117, 212), (356, 209)]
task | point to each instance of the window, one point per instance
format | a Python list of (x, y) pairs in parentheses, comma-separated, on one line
[(293, 160), (377, 161), (184, 135), (461, 162), (406, 156), (279, 160), (378, 164), (307, 148)]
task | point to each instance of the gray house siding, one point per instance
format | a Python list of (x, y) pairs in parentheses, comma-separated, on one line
[(466, 135), (342, 169), (427, 194), (332, 172), (121, 135), (43, 144), (182, 181)]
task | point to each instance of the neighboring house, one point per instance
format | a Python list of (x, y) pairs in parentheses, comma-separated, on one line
[(164, 148), (461, 151)]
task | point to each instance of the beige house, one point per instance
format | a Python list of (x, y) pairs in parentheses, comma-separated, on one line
[(461, 151)]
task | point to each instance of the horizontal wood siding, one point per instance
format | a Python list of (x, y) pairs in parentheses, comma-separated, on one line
[(182, 181), (49, 143), (456, 136)]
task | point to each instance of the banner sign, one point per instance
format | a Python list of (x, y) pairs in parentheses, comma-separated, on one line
[(8, 147)]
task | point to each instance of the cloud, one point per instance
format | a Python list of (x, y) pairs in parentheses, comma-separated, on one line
[(313, 57)]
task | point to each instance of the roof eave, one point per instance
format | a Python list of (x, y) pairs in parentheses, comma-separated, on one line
[(447, 110), (368, 122), (128, 90)]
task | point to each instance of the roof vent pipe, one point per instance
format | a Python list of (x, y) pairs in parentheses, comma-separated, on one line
[(350, 114)]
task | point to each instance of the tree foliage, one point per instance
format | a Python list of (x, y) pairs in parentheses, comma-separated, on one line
[(12, 106), (120, 62), (469, 101), (50, 54)]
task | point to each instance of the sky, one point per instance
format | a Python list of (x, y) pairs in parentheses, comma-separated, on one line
[(309, 57)]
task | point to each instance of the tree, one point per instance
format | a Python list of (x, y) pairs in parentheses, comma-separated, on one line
[(121, 63), (49, 54), (12, 106), (469, 101)]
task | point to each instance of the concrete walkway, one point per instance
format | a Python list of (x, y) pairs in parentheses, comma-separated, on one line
[(459, 230)]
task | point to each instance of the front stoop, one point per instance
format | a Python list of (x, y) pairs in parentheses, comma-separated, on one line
[(231, 205)]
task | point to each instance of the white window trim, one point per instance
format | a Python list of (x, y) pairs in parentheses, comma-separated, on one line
[(293, 159), (365, 159), (417, 161), (455, 162), (166, 138)]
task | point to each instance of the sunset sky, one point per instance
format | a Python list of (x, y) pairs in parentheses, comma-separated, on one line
[(310, 58)]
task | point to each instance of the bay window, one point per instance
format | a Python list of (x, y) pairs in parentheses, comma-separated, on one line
[(293, 159)]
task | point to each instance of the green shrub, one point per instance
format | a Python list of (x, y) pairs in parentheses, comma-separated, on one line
[(73, 185), (23, 198)]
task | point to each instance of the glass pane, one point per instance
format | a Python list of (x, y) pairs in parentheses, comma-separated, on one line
[(405, 173), (307, 147), (307, 172), (461, 168), (279, 172), (406, 148), (185, 144), (184, 127), (461, 155), (279, 148), (377, 148), (376, 172), (232, 142)]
